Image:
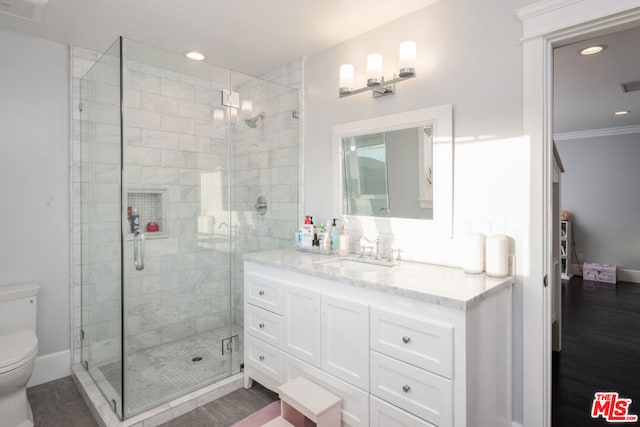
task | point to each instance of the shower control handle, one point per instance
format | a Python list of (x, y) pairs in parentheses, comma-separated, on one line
[(261, 358), (138, 250), (261, 325), (261, 292)]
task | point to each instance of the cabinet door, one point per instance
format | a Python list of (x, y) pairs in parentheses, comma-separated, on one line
[(424, 342), (301, 317), (424, 394), (386, 415), (345, 340), (263, 324), (263, 292)]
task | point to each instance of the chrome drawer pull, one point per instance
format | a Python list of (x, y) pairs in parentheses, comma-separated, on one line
[(260, 292), (261, 358), (406, 340), (406, 388), (261, 325)]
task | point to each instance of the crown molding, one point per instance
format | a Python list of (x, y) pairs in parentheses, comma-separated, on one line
[(542, 7), (595, 133)]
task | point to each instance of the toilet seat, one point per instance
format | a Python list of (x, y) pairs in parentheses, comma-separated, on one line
[(16, 349)]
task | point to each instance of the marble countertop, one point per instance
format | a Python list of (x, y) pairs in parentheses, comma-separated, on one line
[(446, 286)]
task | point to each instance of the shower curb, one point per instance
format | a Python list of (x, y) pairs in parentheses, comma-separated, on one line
[(105, 417)]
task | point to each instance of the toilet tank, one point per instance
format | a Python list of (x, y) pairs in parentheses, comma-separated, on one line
[(18, 305)]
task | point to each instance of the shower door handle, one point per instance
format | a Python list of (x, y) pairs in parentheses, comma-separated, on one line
[(138, 250)]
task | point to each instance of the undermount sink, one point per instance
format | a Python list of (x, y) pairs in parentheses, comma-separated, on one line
[(354, 264)]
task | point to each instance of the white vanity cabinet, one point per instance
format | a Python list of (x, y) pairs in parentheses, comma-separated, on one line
[(394, 359)]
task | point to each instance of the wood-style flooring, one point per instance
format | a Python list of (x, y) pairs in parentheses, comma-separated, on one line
[(600, 350), (59, 404)]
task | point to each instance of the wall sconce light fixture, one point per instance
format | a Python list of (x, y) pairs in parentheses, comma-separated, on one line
[(375, 80)]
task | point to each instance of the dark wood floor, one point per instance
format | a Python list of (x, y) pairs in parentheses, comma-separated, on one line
[(600, 349)]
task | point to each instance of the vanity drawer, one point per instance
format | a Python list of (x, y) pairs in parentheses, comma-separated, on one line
[(263, 324), (422, 342), (386, 415), (265, 359), (426, 395), (264, 293)]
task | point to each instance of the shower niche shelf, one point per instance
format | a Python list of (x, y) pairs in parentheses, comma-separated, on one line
[(150, 204)]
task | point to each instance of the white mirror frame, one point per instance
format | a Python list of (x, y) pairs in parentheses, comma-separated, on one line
[(441, 118)]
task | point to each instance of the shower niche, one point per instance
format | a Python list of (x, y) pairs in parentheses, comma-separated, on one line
[(149, 206)]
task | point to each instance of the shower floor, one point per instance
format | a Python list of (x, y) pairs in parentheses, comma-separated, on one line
[(162, 373)]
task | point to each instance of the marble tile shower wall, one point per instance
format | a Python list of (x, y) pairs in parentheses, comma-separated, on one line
[(174, 147), (265, 163)]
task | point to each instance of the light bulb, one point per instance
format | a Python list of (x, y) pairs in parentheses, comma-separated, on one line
[(407, 59), (374, 69), (346, 78), (247, 107)]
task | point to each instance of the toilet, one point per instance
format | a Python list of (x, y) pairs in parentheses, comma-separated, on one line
[(18, 349)]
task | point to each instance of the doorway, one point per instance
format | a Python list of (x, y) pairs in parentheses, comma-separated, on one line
[(595, 124), (547, 25)]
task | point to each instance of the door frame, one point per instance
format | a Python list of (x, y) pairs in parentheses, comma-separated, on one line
[(548, 24)]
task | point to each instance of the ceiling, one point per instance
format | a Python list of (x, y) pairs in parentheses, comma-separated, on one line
[(250, 36), (587, 88)]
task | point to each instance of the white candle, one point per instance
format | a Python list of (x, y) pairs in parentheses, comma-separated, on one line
[(497, 255), (473, 253)]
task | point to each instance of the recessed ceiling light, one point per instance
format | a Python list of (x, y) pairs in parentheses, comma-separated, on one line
[(621, 113), (196, 56), (592, 50)]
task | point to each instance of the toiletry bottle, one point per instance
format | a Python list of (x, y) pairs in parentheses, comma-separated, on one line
[(321, 236), (135, 220), (326, 241), (315, 242), (307, 219), (334, 236), (343, 242), (298, 238)]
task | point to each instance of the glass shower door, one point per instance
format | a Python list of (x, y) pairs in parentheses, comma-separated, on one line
[(177, 227), (100, 207)]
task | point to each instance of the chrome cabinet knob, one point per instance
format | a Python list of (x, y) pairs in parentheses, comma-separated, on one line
[(406, 388), (260, 292), (261, 358), (406, 340), (261, 325)]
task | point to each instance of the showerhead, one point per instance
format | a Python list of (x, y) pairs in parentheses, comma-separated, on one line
[(253, 121)]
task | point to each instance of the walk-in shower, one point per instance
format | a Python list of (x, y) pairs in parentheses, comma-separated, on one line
[(168, 179)]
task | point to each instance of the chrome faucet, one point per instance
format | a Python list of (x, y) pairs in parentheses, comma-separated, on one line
[(373, 242)]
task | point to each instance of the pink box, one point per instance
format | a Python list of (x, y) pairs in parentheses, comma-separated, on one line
[(605, 273)]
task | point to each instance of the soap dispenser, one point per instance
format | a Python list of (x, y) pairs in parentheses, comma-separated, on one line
[(343, 242), (326, 240), (334, 235)]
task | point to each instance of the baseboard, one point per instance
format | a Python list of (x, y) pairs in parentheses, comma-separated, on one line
[(51, 367), (626, 275)]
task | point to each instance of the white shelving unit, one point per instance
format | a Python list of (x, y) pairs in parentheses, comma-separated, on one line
[(566, 249)]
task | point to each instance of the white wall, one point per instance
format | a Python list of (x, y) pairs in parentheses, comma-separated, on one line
[(34, 178), (599, 188), (469, 55)]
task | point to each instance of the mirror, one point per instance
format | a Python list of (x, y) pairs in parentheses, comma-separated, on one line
[(398, 166), (389, 173)]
